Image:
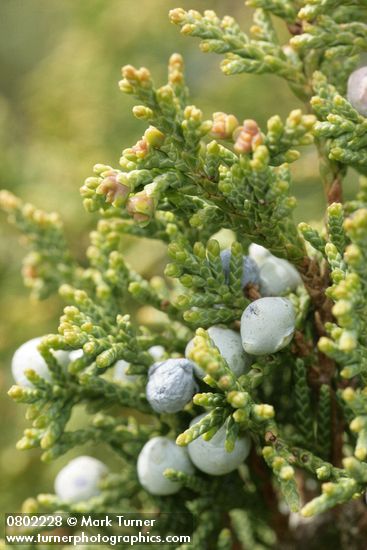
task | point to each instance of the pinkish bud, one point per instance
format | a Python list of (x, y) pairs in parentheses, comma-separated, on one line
[(144, 75), (132, 76), (250, 126), (129, 72), (247, 137), (175, 69), (242, 142), (223, 125), (114, 190), (193, 113), (141, 207), (140, 149), (29, 271)]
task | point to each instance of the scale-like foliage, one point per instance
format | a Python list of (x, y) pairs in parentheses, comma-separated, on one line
[(304, 407)]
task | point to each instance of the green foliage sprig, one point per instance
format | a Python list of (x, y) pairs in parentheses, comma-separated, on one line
[(304, 407)]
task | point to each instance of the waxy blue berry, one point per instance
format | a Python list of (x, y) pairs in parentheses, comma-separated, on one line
[(250, 271), (171, 385), (278, 276), (211, 456), (357, 90), (158, 454), (79, 479), (28, 357), (230, 346), (267, 325)]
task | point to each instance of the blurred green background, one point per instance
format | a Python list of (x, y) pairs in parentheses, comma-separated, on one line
[(61, 112)]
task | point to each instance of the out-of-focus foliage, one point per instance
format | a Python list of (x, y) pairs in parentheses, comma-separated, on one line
[(60, 109)]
